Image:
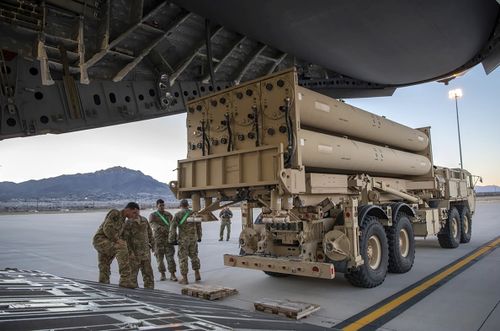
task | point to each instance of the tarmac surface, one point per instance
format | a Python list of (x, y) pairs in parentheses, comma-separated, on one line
[(60, 244)]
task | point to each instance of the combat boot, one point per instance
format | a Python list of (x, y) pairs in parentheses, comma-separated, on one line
[(197, 275), (184, 280), (163, 276), (173, 277), (128, 284)]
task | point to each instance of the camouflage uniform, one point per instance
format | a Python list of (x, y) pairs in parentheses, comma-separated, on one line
[(225, 222), (189, 234), (106, 242), (163, 249), (140, 241)]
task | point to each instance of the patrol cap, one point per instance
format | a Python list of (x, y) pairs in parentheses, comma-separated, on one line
[(132, 205), (184, 203)]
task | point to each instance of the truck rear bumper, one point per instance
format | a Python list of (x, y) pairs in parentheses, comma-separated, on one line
[(281, 265)]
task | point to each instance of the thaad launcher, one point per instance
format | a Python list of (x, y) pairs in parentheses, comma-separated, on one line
[(337, 189)]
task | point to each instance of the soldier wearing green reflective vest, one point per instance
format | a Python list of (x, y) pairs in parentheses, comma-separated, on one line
[(188, 237), (160, 223)]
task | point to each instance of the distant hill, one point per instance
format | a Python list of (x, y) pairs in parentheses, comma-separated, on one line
[(487, 189), (110, 184)]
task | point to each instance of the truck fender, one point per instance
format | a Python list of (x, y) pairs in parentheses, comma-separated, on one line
[(372, 210), (401, 207)]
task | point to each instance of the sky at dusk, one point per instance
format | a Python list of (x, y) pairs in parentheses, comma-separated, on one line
[(154, 146)]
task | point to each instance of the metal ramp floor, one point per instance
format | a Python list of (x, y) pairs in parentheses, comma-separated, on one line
[(34, 300)]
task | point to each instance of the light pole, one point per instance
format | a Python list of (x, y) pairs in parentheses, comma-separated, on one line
[(455, 94)]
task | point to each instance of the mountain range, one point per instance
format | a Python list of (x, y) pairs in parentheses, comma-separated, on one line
[(487, 189), (108, 184)]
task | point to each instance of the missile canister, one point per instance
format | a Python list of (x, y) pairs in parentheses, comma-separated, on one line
[(327, 114), (329, 152)]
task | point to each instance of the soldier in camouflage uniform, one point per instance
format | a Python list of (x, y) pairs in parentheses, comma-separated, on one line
[(160, 223), (188, 238), (140, 242), (225, 222), (109, 244)]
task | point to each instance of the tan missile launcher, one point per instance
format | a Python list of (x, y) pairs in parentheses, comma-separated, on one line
[(338, 189), (324, 113), (326, 152)]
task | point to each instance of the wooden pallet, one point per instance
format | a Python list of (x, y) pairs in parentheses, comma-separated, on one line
[(208, 292), (290, 309)]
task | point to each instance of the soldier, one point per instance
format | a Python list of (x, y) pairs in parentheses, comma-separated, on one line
[(225, 222), (188, 238), (160, 223), (109, 244), (140, 241)]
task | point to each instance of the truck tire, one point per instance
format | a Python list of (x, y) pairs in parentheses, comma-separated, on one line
[(401, 243), (449, 236), (375, 253), (465, 225)]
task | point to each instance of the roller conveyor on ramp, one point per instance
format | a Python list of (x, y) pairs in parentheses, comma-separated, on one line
[(34, 300)]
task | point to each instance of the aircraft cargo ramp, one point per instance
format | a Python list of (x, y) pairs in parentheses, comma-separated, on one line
[(34, 300)]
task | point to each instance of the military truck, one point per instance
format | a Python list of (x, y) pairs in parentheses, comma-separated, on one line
[(339, 189)]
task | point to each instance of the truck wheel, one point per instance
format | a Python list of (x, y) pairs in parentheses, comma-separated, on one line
[(449, 236), (466, 225), (275, 274), (401, 244), (374, 250)]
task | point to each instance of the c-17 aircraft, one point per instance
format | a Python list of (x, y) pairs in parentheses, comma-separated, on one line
[(68, 65)]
